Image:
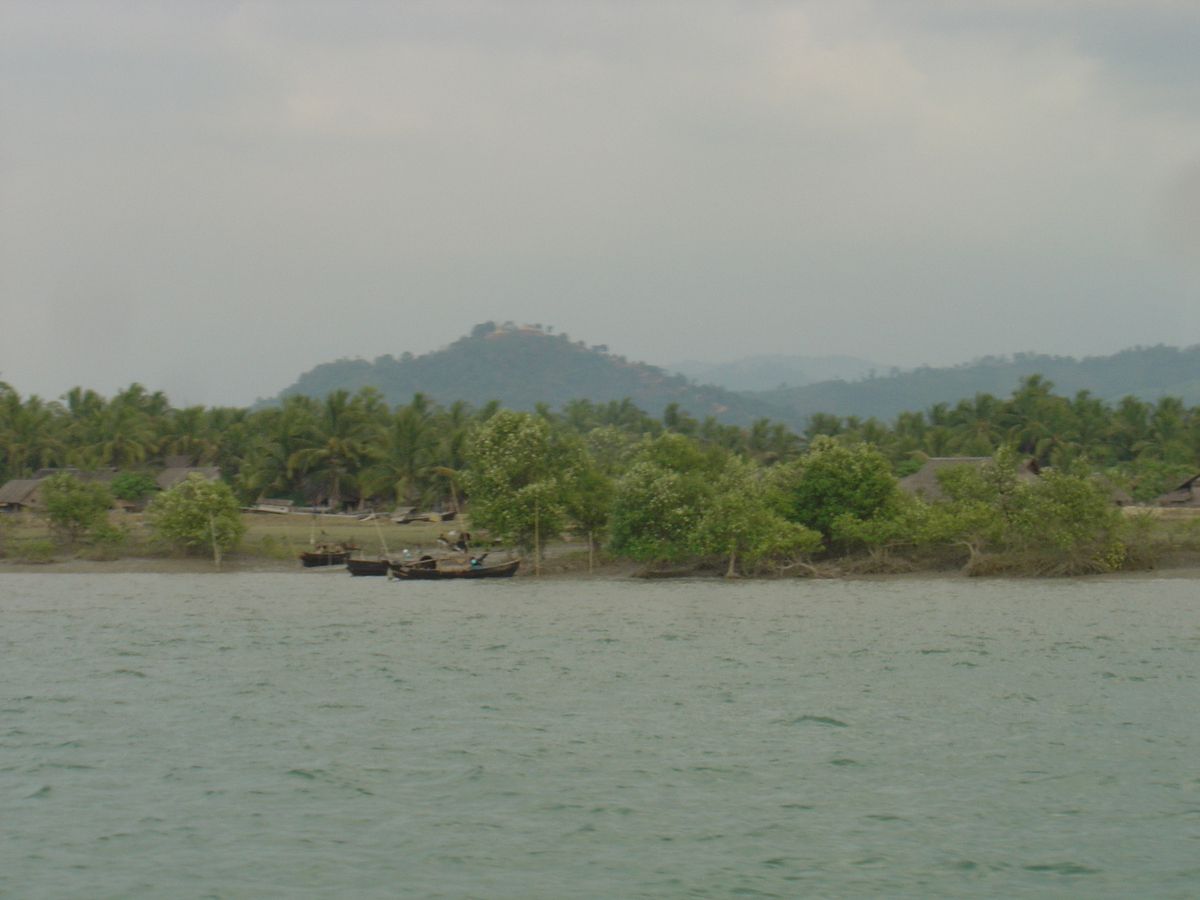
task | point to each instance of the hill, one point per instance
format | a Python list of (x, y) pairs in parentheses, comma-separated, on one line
[(524, 366), (765, 373), (1145, 372)]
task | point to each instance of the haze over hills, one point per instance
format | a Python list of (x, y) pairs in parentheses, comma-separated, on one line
[(765, 373), (522, 366), (1145, 372)]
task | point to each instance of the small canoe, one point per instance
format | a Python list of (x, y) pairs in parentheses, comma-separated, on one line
[(418, 573)]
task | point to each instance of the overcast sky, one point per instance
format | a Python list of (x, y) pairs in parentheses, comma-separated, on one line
[(212, 197)]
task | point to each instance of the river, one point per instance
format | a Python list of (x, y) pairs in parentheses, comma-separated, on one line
[(313, 735)]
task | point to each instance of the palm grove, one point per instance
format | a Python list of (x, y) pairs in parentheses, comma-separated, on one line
[(761, 498)]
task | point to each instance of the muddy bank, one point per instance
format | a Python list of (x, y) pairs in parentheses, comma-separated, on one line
[(567, 565)]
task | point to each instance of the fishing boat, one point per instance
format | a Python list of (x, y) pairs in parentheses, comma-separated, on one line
[(326, 555), (368, 566), (313, 558), (380, 565), (460, 570)]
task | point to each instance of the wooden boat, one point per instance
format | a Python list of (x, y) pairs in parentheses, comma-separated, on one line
[(311, 558), (433, 573), (380, 565), (368, 566), (326, 555)]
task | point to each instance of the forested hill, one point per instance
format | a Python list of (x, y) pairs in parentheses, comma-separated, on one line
[(1145, 372), (524, 366)]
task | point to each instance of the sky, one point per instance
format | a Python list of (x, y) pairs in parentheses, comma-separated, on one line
[(209, 198)]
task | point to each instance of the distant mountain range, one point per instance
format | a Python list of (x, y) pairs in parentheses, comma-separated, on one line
[(1145, 372), (522, 366), (766, 373)]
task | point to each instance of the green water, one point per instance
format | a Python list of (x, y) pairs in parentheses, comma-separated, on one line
[(314, 735)]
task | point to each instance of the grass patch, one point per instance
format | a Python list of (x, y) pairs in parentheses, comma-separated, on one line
[(33, 550)]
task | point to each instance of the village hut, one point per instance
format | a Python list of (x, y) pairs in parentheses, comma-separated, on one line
[(924, 482), (1119, 496), (173, 475), (1186, 496), (26, 493), (20, 493)]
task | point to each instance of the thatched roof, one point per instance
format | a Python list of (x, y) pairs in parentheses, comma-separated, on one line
[(172, 476), (106, 474), (17, 492), (1187, 494), (924, 482)]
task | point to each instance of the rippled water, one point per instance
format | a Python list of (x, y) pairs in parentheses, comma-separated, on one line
[(311, 735)]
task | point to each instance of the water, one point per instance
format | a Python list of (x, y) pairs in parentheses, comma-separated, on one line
[(313, 735)]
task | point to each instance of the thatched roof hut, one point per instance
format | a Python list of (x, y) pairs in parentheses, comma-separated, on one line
[(1187, 495), (20, 493), (925, 484), (24, 493), (175, 474)]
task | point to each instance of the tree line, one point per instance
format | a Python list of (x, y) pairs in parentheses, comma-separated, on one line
[(658, 489), (354, 447)]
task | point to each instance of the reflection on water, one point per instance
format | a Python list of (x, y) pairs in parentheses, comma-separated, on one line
[(316, 736)]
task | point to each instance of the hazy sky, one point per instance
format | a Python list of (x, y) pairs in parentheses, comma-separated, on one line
[(212, 197)]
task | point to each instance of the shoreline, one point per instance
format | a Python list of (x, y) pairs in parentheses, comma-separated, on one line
[(623, 570)]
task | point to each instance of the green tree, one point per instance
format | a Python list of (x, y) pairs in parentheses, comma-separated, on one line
[(336, 441), (405, 452), (587, 496), (833, 480), (278, 435), (739, 521), (1059, 523), (132, 486), (515, 480), (75, 508), (656, 513), (659, 503), (908, 524), (196, 516)]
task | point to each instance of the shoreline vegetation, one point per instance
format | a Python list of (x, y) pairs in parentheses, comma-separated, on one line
[(1172, 550), (1031, 490), (567, 565)]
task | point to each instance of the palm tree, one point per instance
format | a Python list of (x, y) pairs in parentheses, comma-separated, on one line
[(822, 423), (1131, 427), (977, 428), (28, 434), (186, 432), (336, 442), (771, 443), (1089, 426), (127, 435), (1035, 418), (1168, 433), (405, 451)]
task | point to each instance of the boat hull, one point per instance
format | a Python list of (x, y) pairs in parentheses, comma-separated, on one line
[(416, 573), (368, 566), (312, 560)]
